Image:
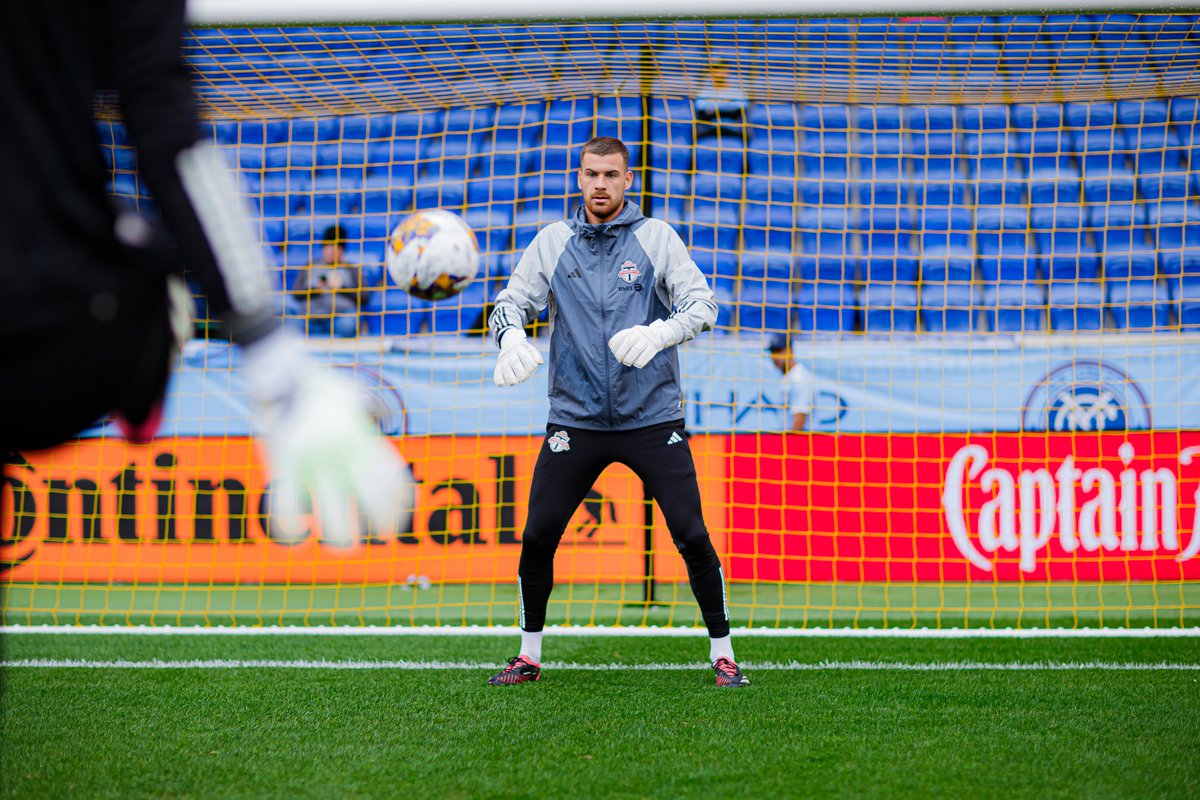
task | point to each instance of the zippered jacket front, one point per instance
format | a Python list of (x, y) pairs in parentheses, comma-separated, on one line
[(598, 280)]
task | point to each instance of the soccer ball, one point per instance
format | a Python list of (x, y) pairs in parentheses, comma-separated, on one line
[(433, 254)]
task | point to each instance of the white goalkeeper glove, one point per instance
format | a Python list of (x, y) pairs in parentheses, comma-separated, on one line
[(320, 445), (518, 359), (636, 346)]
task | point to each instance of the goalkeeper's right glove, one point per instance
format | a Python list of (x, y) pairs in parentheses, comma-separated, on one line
[(321, 445), (518, 359)]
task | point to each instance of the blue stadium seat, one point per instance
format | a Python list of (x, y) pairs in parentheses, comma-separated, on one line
[(1014, 307), (1094, 114), (491, 190), (889, 307), (520, 123), (720, 158), (569, 122), (1138, 258), (764, 304), (877, 118), (775, 264), (715, 226), (1100, 153), (620, 117), (1002, 242), (1186, 294), (769, 227), (492, 224), (948, 307), (944, 228), (1109, 189), (558, 186), (1055, 183), (1139, 304), (1177, 224), (941, 193), (953, 264), (1076, 305), (772, 153), (461, 312), (826, 307), (432, 191), (394, 312), (761, 190), (711, 186)]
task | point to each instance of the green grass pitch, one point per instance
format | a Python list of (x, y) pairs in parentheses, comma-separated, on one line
[(272, 731)]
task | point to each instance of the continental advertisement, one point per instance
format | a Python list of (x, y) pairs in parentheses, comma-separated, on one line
[(1096, 506)]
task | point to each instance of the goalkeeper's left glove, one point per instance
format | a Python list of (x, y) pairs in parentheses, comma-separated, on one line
[(321, 445), (636, 346)]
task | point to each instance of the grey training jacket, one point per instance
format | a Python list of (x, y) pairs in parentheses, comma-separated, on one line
[(597, 280)]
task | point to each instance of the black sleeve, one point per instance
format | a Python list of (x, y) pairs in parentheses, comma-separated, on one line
[(145, 65)]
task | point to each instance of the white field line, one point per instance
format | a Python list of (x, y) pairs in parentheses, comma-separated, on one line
[(795, 666), (573, 630)]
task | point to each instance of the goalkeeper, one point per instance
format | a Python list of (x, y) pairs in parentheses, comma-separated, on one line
[(623, 292), (86, 315)]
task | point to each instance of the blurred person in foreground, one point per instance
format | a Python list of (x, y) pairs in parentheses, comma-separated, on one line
[(88, 323)]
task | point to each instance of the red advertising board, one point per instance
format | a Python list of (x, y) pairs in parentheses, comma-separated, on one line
[(956, 507)]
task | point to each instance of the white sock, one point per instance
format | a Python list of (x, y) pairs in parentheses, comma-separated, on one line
[(531, 645), (720, 648)]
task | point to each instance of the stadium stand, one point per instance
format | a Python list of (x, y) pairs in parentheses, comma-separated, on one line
[(1071, 216)]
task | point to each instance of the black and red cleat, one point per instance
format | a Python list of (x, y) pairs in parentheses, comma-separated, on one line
[(728, 674), (519, 670)]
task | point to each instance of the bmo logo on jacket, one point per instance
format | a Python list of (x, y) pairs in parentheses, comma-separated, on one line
[(630, 273)]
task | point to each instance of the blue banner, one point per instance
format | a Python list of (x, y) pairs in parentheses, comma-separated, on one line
[(435, 385)]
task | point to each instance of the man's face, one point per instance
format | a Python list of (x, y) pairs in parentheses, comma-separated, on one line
[(783, 360), (603, 180), (331, 253)]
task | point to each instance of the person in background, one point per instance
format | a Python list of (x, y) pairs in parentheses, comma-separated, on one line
[(798, 379), (326, 295)]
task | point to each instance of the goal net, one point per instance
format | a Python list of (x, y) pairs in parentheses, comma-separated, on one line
[(960, 255)]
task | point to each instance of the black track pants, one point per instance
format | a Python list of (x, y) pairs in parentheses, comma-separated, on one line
[(570, 462)]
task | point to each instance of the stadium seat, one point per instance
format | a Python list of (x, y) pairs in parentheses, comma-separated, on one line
[(1002, 243), (769, 227), (889, 307), (722, 268), (758, 189), (953, 264), (772, 152), (715, 226), (711, 186), (492, 225), (394, 312), (620, 117), (1014, 307), (1137, 258), (944, 229), (1186, 294), (764, 304), (826, 307), (1076, 305), (1177, 227), (460, 313), (1141, 304), (948, 307)]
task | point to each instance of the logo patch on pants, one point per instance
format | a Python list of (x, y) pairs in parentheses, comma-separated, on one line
[(674, 438), (559, 442)]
